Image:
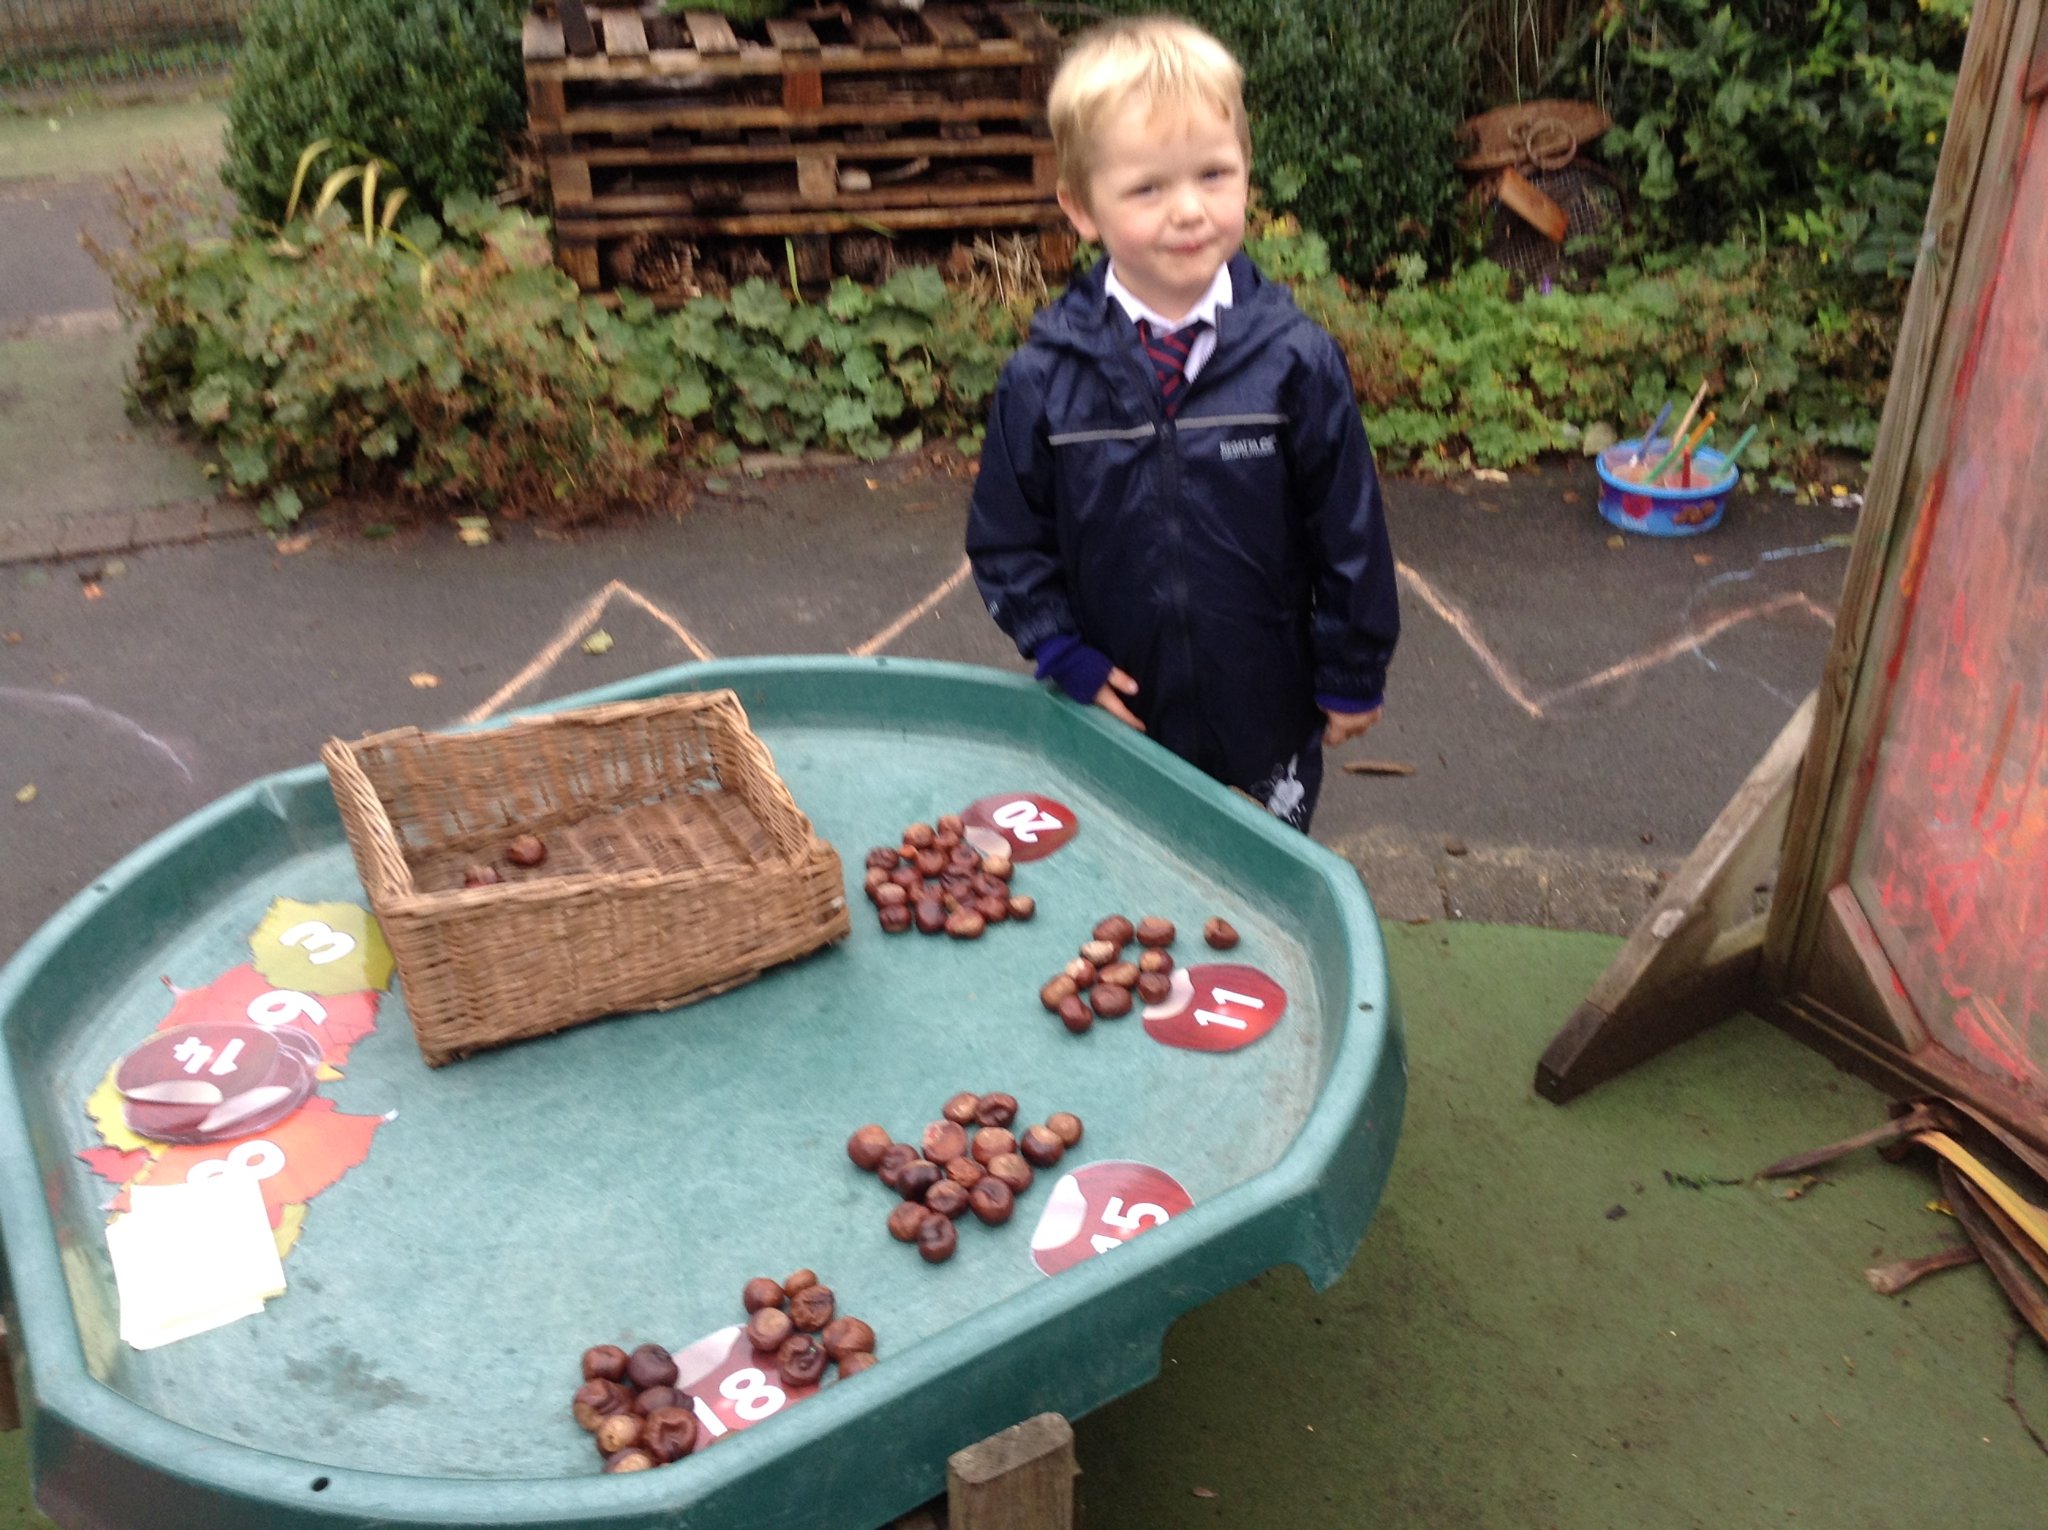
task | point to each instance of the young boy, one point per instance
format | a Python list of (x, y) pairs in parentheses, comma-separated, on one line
[(1177, 516)]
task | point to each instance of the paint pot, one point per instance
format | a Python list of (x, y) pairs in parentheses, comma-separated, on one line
[(1660, 512)]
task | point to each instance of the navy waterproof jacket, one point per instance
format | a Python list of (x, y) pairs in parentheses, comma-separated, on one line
[(1233, 560)]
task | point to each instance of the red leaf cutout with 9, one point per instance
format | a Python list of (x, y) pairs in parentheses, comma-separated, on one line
[(336, 1021)]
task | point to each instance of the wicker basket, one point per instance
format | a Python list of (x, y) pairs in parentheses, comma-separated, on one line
[(678, 865)]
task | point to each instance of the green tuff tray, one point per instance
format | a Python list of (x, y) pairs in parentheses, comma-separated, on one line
[(620, 1181)]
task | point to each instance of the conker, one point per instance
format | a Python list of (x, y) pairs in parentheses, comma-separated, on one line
[(952, 823), (944, 1141), (1041, 1147), (906, 1219), (991, 1142), (964, 858), (883, 858), (651, 1366), (1123, 974), (526, 850), (659, 1397), (888, 895), (669, 1433), (632, 1460), (929, 915), (1066, 1125), (1155, 932), (855, 1363), (895, 918), (1057, 992), (895, 1158), (936, 1241), (993, 909), (1155, 961), (1110, 1001), (480, 876), (1010, 1169), (964, 1172), (803, 1280), (769, 1329), (919, 836), (905, 877), (812, 1308), (605, 1362), (995, 1110), (961, 1108), (966, 925), (1082, 971), (1116, 929), (915, 1179), (999, 866), (1100, 952), (848, 1336), (803, 1359), (992, 1201), (865, 1147), (1076, 1015), (596, 1401), (761, 1291), (948, 1197), (931, 863), (1154, 987), (1022, 908), (1219, 934), (618, 1432)]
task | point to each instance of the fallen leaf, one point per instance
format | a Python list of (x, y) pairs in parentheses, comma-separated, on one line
[(718, 486), (1703, 559), (26, 794), (1617, 542), (1202, 1492), (422, 681), (298, 544), (1379, 768), (91, 590), (873, 485), (1489, 475), (599, 641), (1571, 496), (115, 568), (14, 637), (1840, 489), (475, 530)]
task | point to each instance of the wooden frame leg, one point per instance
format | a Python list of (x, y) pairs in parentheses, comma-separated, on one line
[(1021, 1479), (10, 1404)]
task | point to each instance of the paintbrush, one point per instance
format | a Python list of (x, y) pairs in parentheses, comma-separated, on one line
[(1636, 460), (1678, 435), (1734, 453), (1681, 445)]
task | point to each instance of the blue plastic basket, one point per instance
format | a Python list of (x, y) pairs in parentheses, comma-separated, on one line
[(1659, 512)]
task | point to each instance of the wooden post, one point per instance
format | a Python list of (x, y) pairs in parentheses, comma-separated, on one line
[(10, 1404), (1021, 1479)]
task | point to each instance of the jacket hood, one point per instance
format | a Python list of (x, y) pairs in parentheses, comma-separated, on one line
[(1073, 321)]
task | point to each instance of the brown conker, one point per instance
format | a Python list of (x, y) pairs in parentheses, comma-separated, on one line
[(811, 1308), (944, 1141), (604, 1362), (948, 1197), (929, 916), (883, 858), (769, 1329), (992, 1201), (1066, 1125), (596, 1401), (999, 866), (1155, 961), (802, 1360), (906, 877), (951, 823), (865, 1147), (895, 1158), (633, 1459), (659, 1397), (895, 918), (960, 1109), (993, 909), (991, 1142), (906, 1219), (526, 850), (761, 1291), (1123, 974), (995, 1110), (619, 1432), (1057, 992), (480, 876), (1041, 1147), (1116, 929), (888, 895), (964, 1172), (1076, 1016), (915, 1179), (1220, 934), (965, 925), (936, 1241), (1082, 971), (1110, 1001), (919, 836), (931, 863), (1022, 908), (1012, 1170), (651, 1366), (670, 1433), (1100, 952), (1155, 932), (1154, 987), (847, 1336), (804, 1279), (855, 1363)]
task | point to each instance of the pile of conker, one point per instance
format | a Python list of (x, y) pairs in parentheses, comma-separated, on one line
[(796, 1320), (630, 1405), (938, 884), (969, 1160), (1100, 983)]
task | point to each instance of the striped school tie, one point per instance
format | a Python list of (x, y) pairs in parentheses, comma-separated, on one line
[(1168, 351)]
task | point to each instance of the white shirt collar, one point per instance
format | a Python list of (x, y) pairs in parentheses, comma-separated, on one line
[(1218, 296)]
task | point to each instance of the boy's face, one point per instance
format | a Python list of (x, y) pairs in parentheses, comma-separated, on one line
[(1166, 200)]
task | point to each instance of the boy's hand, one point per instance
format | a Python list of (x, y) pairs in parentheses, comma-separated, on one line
[(1345, 726), (1109, 699)]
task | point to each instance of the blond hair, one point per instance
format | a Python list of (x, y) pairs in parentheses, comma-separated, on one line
[(1162, 61)]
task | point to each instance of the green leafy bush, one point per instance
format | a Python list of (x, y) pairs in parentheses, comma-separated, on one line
[(1816, 121), (433, 86), (1352, 109)]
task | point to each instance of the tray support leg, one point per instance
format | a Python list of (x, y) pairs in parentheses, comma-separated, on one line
[(1021, 1479)]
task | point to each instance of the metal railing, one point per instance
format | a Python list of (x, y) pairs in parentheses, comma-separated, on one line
[(68, 42)]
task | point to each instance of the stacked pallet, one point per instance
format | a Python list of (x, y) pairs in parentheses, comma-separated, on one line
[(837, 139)]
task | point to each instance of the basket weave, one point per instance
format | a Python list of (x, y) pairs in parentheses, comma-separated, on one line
[(678, 865)]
